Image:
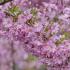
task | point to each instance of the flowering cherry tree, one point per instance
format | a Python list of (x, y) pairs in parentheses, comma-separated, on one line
[(41, 28)]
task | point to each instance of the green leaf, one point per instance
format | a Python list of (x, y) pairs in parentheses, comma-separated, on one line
[(31, 58), (1, 1), (34, 11), (61, 40), (14, 11), (30, 21), (67, 35)]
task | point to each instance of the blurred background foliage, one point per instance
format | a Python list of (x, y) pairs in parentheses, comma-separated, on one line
[(30, 63), (33, 64)]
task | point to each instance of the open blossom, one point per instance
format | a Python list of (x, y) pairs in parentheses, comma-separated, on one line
[(42, 29)]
